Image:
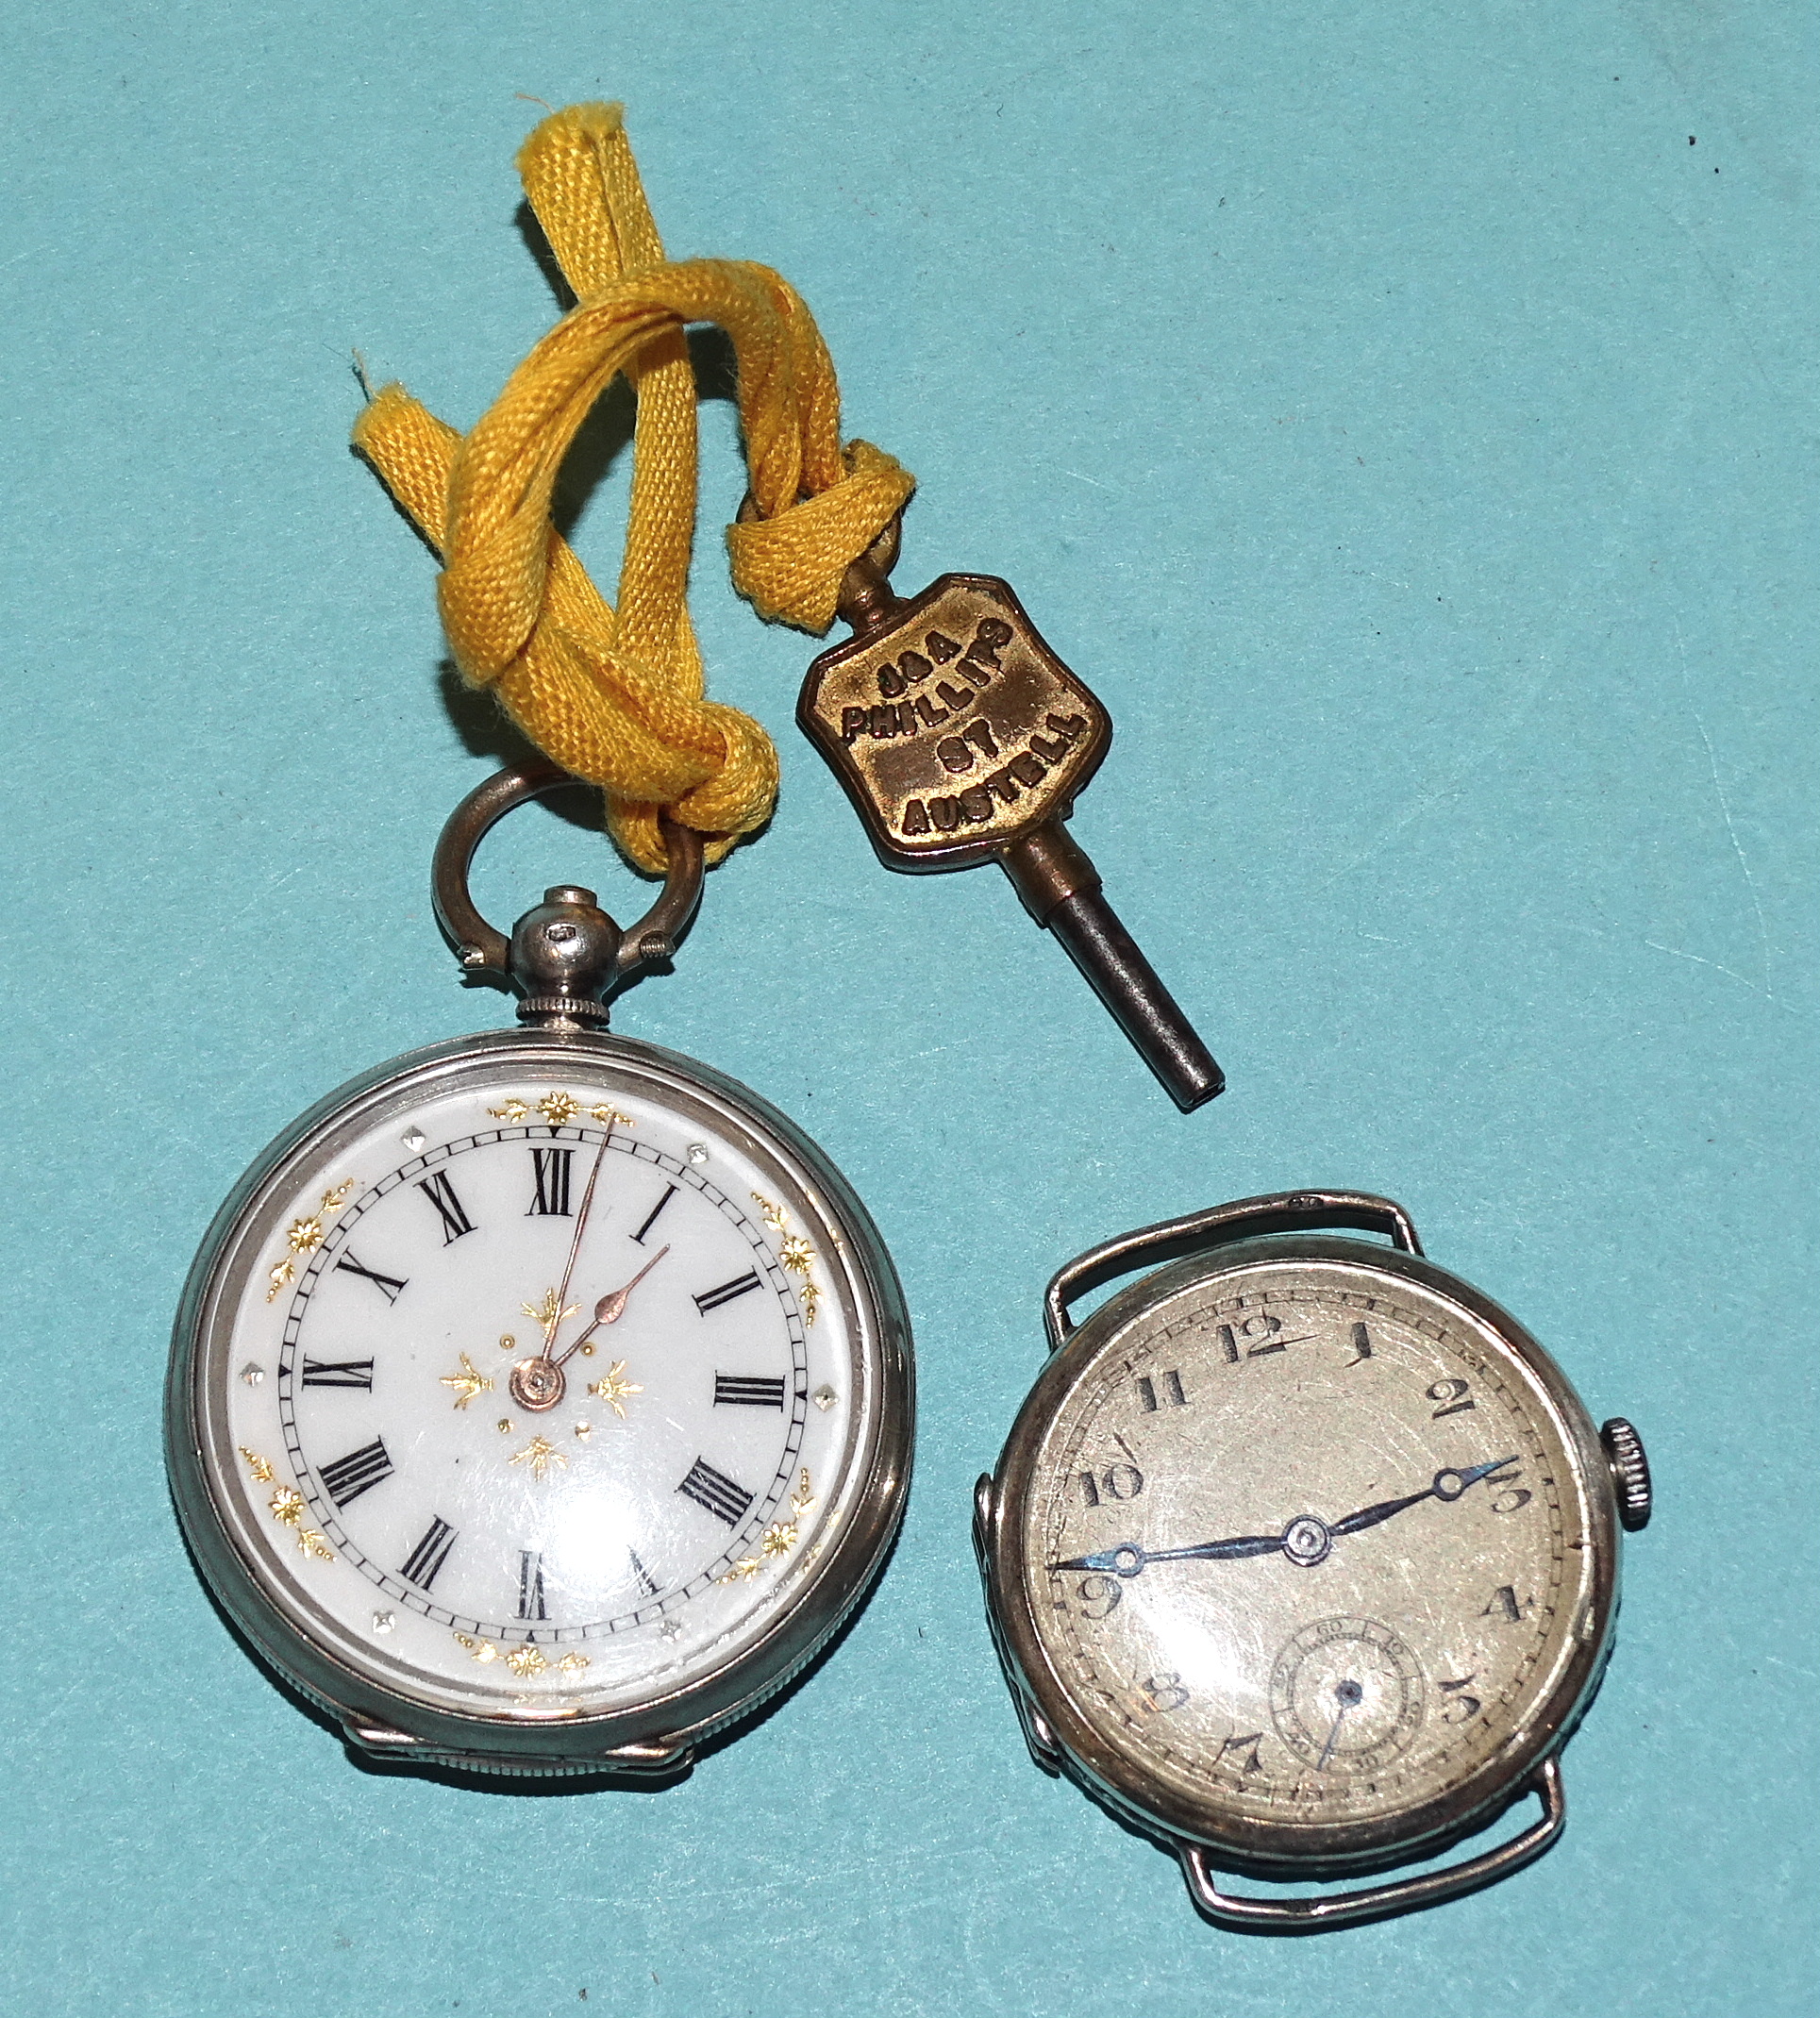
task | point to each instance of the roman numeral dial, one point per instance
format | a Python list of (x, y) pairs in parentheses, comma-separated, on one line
[(737, 1390), (715, 1492), (563, 1406), (336, 1374), (651, 1217), (388, 1286), (440, 1193), (425, 1560), (726, 1292)]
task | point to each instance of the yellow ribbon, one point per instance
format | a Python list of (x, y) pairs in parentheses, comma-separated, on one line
[(617, 696)]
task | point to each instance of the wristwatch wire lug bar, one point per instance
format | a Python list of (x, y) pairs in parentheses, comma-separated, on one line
[(1171, 1239), (1249, 1913)]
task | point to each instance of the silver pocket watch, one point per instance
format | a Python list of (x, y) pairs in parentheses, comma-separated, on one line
[(540, 1401), (1302, 1555)]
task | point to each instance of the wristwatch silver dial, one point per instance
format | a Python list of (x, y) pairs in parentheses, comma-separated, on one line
[(1302, 1554), (1309, 1549)]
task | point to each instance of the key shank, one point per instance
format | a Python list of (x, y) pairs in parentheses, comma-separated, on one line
[(1061, 889)]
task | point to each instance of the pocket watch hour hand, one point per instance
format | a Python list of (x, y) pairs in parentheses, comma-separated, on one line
[(1448, 1485), (1126, 1559), (611, 1306)]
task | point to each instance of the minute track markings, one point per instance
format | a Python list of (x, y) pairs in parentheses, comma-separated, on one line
[(352, 1244)]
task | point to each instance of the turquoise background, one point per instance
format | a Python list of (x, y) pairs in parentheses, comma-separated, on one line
[(1405, 416)]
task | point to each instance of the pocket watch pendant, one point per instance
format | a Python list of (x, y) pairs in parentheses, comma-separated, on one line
[(1408, 1597), (565, 956)]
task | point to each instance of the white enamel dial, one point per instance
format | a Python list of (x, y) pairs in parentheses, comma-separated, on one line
[(540, 1395)]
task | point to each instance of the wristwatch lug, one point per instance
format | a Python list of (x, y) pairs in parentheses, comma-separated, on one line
[(656, 1757), (984, 1509), (1245, 1218), (1247, 1913), (1044, 1750)]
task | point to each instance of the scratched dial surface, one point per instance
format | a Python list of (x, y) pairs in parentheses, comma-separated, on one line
[(541, 1397), (1308, 1545)]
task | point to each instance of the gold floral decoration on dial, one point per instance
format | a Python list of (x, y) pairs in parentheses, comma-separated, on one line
[(560, 1109), (287, 1507), (794, 1252), (543, 1456), (523, 1661), (304, 1237), (548, 1312), (779, 1539), (467, 1382), (613, 1388)]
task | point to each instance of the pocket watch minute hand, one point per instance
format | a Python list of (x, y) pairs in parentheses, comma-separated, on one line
[(538, 1383), (1449, 1486), (574, 1244)]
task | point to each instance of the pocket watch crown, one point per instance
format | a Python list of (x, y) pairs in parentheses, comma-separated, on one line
[(563, 957)]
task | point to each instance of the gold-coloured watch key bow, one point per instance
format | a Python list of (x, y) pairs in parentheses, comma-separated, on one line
[(955, 729)]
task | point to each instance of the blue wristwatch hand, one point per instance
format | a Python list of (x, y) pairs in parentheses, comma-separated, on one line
[(1127, 1559), (1305, 1539), (1448, 1485)]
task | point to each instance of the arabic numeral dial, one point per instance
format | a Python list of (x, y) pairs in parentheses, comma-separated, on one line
[(1305, 1545)]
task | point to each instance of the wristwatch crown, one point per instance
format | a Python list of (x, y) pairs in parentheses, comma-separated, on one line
[(1630, 1472)]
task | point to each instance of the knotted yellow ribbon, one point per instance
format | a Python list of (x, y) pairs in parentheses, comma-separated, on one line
[(616, 697)]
